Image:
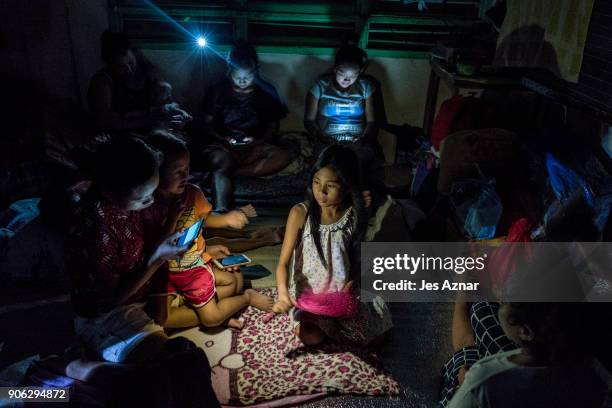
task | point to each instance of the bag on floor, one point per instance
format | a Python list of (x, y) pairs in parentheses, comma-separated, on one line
[(565, 183), (477, 208), (507, 259)]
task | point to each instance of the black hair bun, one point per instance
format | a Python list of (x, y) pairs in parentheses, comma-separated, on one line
[(123, 164)]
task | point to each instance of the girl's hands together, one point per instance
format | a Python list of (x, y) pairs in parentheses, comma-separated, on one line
[(286, 302), (283, 304)]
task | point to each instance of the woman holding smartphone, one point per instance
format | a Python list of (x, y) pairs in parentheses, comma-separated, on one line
[(111, 269), (106, 256)]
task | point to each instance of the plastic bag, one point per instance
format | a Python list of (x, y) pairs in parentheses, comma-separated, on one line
[(477, 208), (19, 214), (564, 181)]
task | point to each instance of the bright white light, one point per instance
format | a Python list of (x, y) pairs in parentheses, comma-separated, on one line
[(201, 42)]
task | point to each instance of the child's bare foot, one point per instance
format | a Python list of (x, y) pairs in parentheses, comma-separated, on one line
[(273, 234), (234, 323), (279, 234), (248, 210), (259, 301), (260, 233)]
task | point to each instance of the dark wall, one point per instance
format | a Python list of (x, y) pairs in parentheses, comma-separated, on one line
[(595, 83), (54, 43)]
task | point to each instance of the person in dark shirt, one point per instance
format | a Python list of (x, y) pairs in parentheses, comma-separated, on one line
[(127, 94), (242, 115)]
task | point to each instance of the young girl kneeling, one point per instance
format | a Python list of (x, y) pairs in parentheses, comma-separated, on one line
[(318, 270)]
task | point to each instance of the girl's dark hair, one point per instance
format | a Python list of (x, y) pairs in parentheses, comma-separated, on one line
[(351, 54), (243, 56), (123, 164), (113, 44), (560, 331), (343, 161), (166, 144)]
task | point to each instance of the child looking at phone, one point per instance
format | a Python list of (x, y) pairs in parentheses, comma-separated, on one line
[(213, 296), (242, 114), (319, 257)]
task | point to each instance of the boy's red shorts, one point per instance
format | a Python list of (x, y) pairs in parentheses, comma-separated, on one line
[(196, 285)]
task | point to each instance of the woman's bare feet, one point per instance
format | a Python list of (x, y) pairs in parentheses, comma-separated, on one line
[(248, 210), (234, 323), (259, 301)]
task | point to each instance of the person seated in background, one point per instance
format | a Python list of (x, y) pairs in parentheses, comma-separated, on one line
[(161, 100), (478, 332), (551, 367), (242, 115), (126, 95), (340, 108)]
